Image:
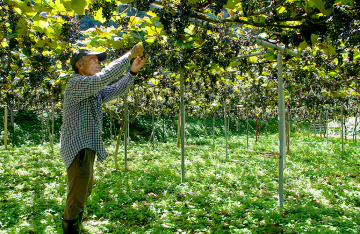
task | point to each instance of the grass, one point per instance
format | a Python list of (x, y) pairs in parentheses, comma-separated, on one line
[(239, 195)]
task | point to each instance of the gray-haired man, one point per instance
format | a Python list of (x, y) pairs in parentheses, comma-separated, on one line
[(81, 130)]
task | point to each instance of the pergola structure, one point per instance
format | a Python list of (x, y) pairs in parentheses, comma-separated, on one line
[(281, 105)]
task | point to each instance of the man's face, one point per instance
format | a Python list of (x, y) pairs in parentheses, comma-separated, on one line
[(91, 66)]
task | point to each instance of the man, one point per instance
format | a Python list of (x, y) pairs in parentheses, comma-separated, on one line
[(81, 130)]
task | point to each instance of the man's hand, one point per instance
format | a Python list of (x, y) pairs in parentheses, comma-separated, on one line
[(138, 63), (136, 51)]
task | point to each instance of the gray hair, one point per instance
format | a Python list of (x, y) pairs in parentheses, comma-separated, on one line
[(81, 61)]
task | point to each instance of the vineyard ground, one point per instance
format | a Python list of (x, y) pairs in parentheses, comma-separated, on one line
[(239, 195)]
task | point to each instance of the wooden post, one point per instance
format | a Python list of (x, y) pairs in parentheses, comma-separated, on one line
[(342, 130), (52, 121), (228, 126), (42, 126), (213, 130), (355, 132), (5, 127), (182, 132), (247, 130), (327, 127), (320, 128), (205, 133), (51, 133), (110, 128), (128, 126), (226, 132), (256, 129), (126, 114), (153, 143), (345, 128), (164, 128)]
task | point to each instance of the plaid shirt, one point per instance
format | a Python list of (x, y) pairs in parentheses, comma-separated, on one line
[(82, 108)]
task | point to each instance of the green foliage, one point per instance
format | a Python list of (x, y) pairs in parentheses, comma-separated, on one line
[(27, 127), (39, 37), (219, 196)]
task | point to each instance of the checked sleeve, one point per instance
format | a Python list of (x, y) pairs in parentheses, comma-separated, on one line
[(82, 108), (82, 87), (114, 91)]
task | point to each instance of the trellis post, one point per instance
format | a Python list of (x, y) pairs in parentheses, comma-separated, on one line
[(342, 130), (110, 120), (226, 132), (153, 144), (247, 130), (327, 127), (126, 130), (205, 132), (42, 126), (282, 140), (213, 129), (5, 127), (182, 131), (52, 120)]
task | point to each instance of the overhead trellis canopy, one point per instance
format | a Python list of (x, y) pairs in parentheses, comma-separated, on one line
[(201, 40), (281, 103)]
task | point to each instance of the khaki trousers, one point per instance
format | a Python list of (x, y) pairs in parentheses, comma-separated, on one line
[(80, 180)]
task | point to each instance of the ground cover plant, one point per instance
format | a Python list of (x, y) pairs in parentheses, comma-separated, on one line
[(239, 195)]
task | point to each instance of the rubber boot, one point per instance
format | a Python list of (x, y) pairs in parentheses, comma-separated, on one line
[(70, 226)]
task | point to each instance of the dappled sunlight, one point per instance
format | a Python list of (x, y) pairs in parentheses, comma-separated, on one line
[(239, 195)]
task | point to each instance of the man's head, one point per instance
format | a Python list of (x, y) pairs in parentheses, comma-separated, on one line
[(86, 62)]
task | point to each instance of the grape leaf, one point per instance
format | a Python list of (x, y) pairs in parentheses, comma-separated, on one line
[(302, 46), (357, 56), (180, 43), (321, 6), (79, 6)]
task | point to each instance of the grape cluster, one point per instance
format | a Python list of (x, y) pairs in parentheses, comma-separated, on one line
[(40, 66), (329, 4), (123, 22), (12, 18), (13, 43), (143, 5), (218, 6), (217, 50), (145, 45), (27, 44), (311, 28), (153, 52), (294, 39), (19, 62), (70, 30), (175, 23), (63, 56), (351, 55), (95, 6), (182, 16), (342, 27), (108, 7)]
